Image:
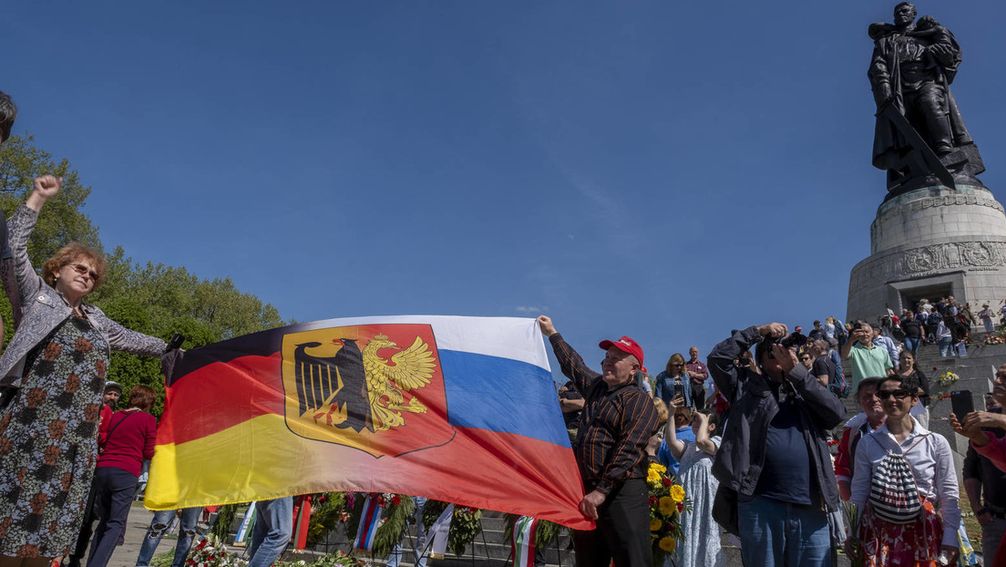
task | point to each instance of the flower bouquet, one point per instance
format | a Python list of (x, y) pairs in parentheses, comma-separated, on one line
[(948, 378), (337, 559), (211, 552), (853, 549), (667, 502)]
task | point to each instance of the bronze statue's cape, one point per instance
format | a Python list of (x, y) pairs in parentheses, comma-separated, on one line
[(888, 145)]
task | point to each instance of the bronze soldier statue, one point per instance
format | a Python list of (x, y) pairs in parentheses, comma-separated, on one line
[(920, 137)]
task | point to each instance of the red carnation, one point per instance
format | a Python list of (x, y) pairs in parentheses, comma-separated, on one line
[(666, 481), (395, 500), (681, 506), (653, 501)]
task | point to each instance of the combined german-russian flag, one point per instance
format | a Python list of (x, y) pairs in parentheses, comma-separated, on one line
[(459, 409)]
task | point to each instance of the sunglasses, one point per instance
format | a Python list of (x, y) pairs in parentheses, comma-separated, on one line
[(84, 270), (898, 394)]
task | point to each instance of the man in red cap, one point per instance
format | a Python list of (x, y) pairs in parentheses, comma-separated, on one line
[(618, 419)]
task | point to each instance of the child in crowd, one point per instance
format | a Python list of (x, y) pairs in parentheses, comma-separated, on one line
[(700, 543)]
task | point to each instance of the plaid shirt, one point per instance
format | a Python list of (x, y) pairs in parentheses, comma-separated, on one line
[(615, 425), (697, 366)]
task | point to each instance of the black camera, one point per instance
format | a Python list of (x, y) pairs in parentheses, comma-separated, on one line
[(789, 341)]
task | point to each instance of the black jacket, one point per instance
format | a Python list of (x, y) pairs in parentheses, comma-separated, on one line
[(741, 455)]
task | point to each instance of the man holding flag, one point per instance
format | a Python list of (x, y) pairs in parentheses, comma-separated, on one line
[(618, 419)]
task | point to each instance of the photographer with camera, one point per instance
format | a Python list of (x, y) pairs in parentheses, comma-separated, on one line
[(864, 356), (777, 486)]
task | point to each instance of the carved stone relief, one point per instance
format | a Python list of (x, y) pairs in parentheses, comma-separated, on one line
[(975, 255)]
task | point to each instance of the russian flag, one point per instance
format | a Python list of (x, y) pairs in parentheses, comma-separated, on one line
[(458, 409)]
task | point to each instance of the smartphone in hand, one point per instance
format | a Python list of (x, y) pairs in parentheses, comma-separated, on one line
[(962, 402)]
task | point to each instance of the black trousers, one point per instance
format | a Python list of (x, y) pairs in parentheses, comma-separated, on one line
[(113, 495), (698, 396), (623, 530)]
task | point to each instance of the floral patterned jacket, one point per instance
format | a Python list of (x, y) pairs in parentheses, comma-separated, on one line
[(44, 309)]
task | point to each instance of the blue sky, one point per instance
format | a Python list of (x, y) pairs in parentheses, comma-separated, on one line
[(666, 170)]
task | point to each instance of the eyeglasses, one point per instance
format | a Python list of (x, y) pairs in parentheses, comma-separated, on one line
[(898, 394), (84, 270)]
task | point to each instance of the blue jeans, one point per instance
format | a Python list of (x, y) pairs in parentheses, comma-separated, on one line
[(778, 533), (912, 345), (160, 524), (419, 545), (945, 343), (272, 531)]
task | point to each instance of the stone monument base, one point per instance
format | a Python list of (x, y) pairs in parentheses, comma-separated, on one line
[(929, 243)]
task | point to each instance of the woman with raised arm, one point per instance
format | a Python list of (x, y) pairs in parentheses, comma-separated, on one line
[(53, 374)]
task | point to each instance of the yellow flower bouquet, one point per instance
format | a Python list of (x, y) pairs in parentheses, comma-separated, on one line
[(667, 501)]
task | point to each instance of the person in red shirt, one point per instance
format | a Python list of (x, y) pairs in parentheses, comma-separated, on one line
[(128, 441), (988, 445), (699, 375), (113, 391)]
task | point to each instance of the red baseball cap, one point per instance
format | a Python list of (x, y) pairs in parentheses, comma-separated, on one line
[(627, 345)]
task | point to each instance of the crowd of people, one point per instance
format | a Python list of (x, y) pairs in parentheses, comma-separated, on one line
[(746, 433), (766, 452)]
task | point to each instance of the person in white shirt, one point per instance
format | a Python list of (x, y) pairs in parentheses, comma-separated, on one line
[(922, 533)]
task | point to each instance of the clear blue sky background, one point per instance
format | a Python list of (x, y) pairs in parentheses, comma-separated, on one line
[(666, 170)]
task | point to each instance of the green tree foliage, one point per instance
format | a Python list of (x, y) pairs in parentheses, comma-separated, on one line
[(61, 220), (154, 299)]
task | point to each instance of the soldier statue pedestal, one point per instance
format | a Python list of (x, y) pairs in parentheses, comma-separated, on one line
[(930, 243)]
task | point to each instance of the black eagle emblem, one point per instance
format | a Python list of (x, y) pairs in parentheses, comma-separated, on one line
[(318, 386)]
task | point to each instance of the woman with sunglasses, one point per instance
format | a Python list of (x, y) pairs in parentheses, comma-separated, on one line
[(53, 374), (674, 381), (902, 471)]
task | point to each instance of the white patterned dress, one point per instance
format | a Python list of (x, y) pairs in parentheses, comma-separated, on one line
[(701, 534)]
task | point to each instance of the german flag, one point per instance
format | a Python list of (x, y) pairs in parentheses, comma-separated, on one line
[(458, 409)]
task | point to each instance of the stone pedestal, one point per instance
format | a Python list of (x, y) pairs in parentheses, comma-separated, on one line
[(928, 243)]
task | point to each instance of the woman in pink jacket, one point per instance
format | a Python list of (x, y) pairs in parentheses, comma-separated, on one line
[(989, 446)]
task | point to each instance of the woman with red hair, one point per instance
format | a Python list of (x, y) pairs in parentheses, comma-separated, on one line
[(52, 377)]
